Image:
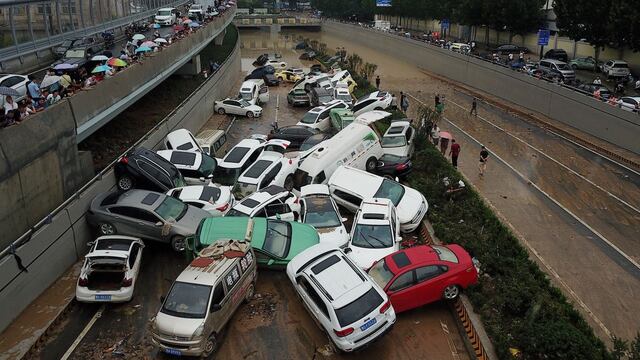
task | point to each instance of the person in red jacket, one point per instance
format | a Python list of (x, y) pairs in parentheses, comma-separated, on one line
[(454, 152)]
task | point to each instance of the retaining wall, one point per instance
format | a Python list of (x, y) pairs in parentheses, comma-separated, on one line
[(564, 105), (56, 246)]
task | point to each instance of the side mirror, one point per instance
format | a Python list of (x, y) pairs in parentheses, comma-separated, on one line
[(159, 223), (347, 250), (344, 219), (90, 243), (210, 176), (215, 307), (399, 239), (201, 179), (161, 299), (271, 262)]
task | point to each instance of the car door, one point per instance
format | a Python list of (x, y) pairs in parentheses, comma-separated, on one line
[(135, 259), (263, 94), (401, 292), (349, 201), (270, 176), (232, 107), (324, 121), (125, 219), (314, 303), (430, 282)]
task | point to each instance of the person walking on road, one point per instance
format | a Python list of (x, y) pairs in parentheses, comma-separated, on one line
[(484, 157), (474, 107), (454, 152), (378, 82), (435, 134), (404, 102), (444, 144)]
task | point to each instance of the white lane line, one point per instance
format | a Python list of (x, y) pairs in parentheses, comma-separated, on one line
[(84, 332), (556, 161)]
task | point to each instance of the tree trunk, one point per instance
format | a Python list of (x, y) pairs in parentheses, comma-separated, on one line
[(486, 36), (597, 54)]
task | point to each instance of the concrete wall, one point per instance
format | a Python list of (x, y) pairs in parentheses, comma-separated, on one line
[(567, 106), (61, 243)]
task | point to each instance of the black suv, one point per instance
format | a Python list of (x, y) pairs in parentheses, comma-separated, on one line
[(510, 49), (557, 54), (144, 169), (320, 96)]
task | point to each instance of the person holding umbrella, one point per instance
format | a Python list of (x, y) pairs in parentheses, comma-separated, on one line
[(444, 142)]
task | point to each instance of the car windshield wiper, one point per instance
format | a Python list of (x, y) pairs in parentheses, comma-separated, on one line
[(364, 237), (378, 240)]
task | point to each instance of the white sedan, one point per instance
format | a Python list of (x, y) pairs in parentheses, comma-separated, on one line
[(16, 82), (237, 107), (277, 64), (629, 103), (319, 210), (217, 200), (110, 269)]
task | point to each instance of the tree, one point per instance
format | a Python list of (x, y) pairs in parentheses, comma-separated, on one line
[(584, 19), (368, 70)]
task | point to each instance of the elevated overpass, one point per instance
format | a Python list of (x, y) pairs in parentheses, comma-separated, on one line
[(276, 21)]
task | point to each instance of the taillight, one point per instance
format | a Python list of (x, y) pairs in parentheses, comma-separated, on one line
[(385, 307), (127, 282), (401, 166), (343, 333), (124, 160), (223, 207), (83, 282)]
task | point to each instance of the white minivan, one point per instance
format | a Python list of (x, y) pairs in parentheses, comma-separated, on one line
[(254, 91), (357, 145)]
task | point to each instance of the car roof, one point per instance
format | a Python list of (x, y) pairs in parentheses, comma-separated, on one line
[(140, 199), (421, 255), (261, 197), (314, 189), (375, 211), (372, 116), (181, 137), (182, 159), (258, 169), (397, 128), (347, 177), (213, 261), (112, 246), (197, 192)]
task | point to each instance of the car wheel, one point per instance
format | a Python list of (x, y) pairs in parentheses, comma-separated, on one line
[(178, 243), (451, 292), (125, 183), (249, 114), (210, 346), (250, 292), (106, 229), (221, 111), (371, 164), (288, 183)]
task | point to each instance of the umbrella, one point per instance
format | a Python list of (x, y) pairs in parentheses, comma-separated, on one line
[(138, 37), (101, 68), (7, 91), (117, 62), (65, 81), (49, 80), (178, 28), (143, 49), (445, 135), (150, 44), (194, 24), (64, 66), (156, 26), (160, 41), (99, 58)]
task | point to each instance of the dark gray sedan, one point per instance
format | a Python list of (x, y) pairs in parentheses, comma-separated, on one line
[(147, 215)]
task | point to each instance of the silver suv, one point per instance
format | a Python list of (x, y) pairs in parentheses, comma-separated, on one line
[(556, 68), (615, 68)]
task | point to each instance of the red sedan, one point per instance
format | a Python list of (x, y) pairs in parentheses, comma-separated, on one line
[(423, 274)]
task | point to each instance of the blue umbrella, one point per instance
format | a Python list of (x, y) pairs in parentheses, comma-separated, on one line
[(194, 24), (143, 49), (156, 26), (101, 68), (64, 66)]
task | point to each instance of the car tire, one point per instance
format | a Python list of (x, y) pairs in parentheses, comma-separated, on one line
[(221, 111), (250, 293), (288, 183), (178, 243), (125, 183), (451, 292), (370, 166), (210, 346), (106, 228), (249, 114)]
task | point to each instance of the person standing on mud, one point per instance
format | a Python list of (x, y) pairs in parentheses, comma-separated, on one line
[(436, 101), (404, 103), (454, 152), (474, 107), (378, 82), (435, 134), (484, 157)]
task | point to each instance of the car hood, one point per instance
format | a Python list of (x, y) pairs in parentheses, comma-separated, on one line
[(409, 205), (303, 236), (364, 257), (163, 17), (336, 236), (253, 108), (188, 224), (399, 150), (169, 325)]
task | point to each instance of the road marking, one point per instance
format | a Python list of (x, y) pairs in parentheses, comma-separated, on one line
[(82, 334)]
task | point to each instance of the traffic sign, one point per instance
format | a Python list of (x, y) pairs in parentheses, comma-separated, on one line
[(543, 37), (383, 3), (444, 23)]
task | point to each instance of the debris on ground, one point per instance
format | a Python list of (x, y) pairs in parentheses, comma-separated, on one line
[(262, 306)]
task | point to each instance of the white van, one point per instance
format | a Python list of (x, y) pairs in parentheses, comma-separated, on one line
[(343, 77), (255, 91), (357, 145), (212, 142)]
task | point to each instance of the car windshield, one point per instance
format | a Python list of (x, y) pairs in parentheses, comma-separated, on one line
[(74, 54), (390, 190), (208, 165), (360, 308), (380, 273), (240, 190), (225, 176), (187, 300), (235, 212), (310, 142), (445, 254), (563, 67), (325, 99), (309, 118), (246, 96), (320, 212), (372, 236), (171, 208), (164, 13), (66, 43), (244, 103), (278, 238), (344, 97), (393, 141), (300, 179)]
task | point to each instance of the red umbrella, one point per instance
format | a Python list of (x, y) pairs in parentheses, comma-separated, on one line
[(445, 135), (178, 28)]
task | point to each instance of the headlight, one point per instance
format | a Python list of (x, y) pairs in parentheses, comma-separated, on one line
[(199, 330)]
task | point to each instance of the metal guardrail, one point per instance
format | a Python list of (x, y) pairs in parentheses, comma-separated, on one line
[(7, 251), (17, 51)]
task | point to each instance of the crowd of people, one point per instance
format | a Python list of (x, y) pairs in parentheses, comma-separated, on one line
[(61, 83)]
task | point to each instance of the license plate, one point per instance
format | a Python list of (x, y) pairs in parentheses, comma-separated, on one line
[(173, 352), (368, 324), (103, 297)]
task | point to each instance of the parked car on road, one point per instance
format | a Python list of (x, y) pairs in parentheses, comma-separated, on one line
[(146, 215), (319, 210), (288, 76), (277, 63), (275, 242), (423, 274), (80, 56), (320, 96), (203, 299), (166, 16), (217, 200), (349, 307), (349, 187), (60, 50), (556, 68), (629, 103), (272, 202), (254, 91), (298, 97), (16, 82), (399, 139), (237, 107), (295, 134), (181, 139), (144, 169), (393, 166), (605, 93), (342, 93), (212, 142), (584, 63), (271, 168), (110, 269), (377, 100), (510, 49), (271, 80), (236, 161), (318, 118), (615, 68), (196, 11), (557, 54), (196, 167)]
